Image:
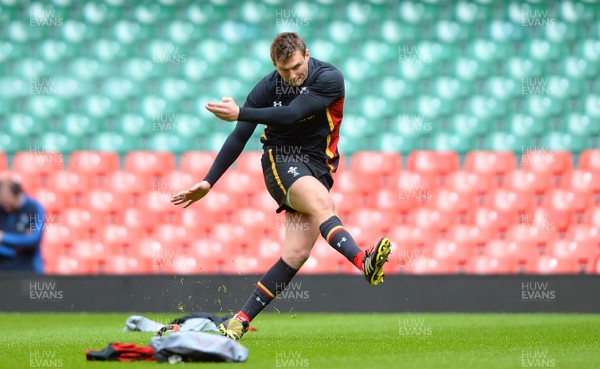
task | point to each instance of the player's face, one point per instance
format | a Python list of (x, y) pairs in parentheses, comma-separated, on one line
[(294, 69), (8, 201)]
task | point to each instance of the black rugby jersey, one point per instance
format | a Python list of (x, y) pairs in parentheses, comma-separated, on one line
[(303, 120)]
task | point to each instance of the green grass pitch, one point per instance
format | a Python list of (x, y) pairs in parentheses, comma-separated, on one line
[(328, 341)]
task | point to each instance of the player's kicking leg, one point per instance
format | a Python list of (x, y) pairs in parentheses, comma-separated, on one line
[(301, 233), (308, 195)]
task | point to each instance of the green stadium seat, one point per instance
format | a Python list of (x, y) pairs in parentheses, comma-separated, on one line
[(543, 51), (128, 32), (12, 143), (11, 87), (30, 68), (519, 67), (99, 106), (53, 51), (356, 126), (59, 142), (470, 12), (449, 88), (468, 126), (391, 143), (543, 106), (448, 31), (574, 67), (527, 126), (44, 106), (119, 88), (23, 125), (470, 69), (503, 88), (589, 49), (113, 141), (580, 125), (78, 125), (486, 50), (556, 140), (84, 68), (450, 141), (505, 141), (592, 106), (171, 141), (395, 32), (486, 107)]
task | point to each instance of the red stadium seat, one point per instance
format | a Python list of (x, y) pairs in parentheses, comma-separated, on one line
[(71, 184), (484, 264), (94, 163), (83, 222), (505, 248), (354, 184), (127, 265), (249, 162), (239, 264), (429, 265), (451, 202), (68, 265), (3, 162), (581, 181), (407, 238), (381, 165), (197, 163), (256, 219), (118, 239), (198, 222), (566, 201), (186, 264), (104, 201), (161, 254), (458, 251), (433, 162), (56, 241), (207, 249), (159, 208), (138, 220), (155, 163), (470, 234), (174, 181), (35, 167), (39, 163), (414, 189), (130, 185), (491, 219), (262, 200), (592, 216), (521, 180), (374, 219), (583, 233), (430, 220), (584, 252), (345, 203), (231, 234), (176, 235), (469, 182), (594, 266), (89, 249), (321, 265), (590, 160), (547, 264), (539, 235), (553, 162), (510, 201), (52, 201), (548, 217), (496, 163), (240, 184)]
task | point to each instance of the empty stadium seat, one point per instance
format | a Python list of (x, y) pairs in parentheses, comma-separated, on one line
[(129, 185), (71, 184), (250, 162), (581, 251), (382, 165), (433, 162), (547, 264), (487, 218), (553, 162), (469, 182), (429, 265), (153, 162), (590, 160), (127, 265), (69, 265), (3, 162), (527, 181), (95, 163), (508, 248), (484, 264), (197, 163), (592, 216), (37, 165)]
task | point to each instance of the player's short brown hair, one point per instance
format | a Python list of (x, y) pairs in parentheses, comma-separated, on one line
[(285, 44)]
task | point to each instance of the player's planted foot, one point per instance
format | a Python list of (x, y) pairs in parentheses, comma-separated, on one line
[(374, 260), (234, 328)]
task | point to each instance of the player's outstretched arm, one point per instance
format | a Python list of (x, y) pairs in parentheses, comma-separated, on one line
[(191, 195)]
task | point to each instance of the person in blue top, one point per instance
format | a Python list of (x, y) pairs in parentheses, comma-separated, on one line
[(21, 229)]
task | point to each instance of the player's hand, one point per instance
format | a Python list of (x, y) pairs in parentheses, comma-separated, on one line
[(195, 193), (226, 109)]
